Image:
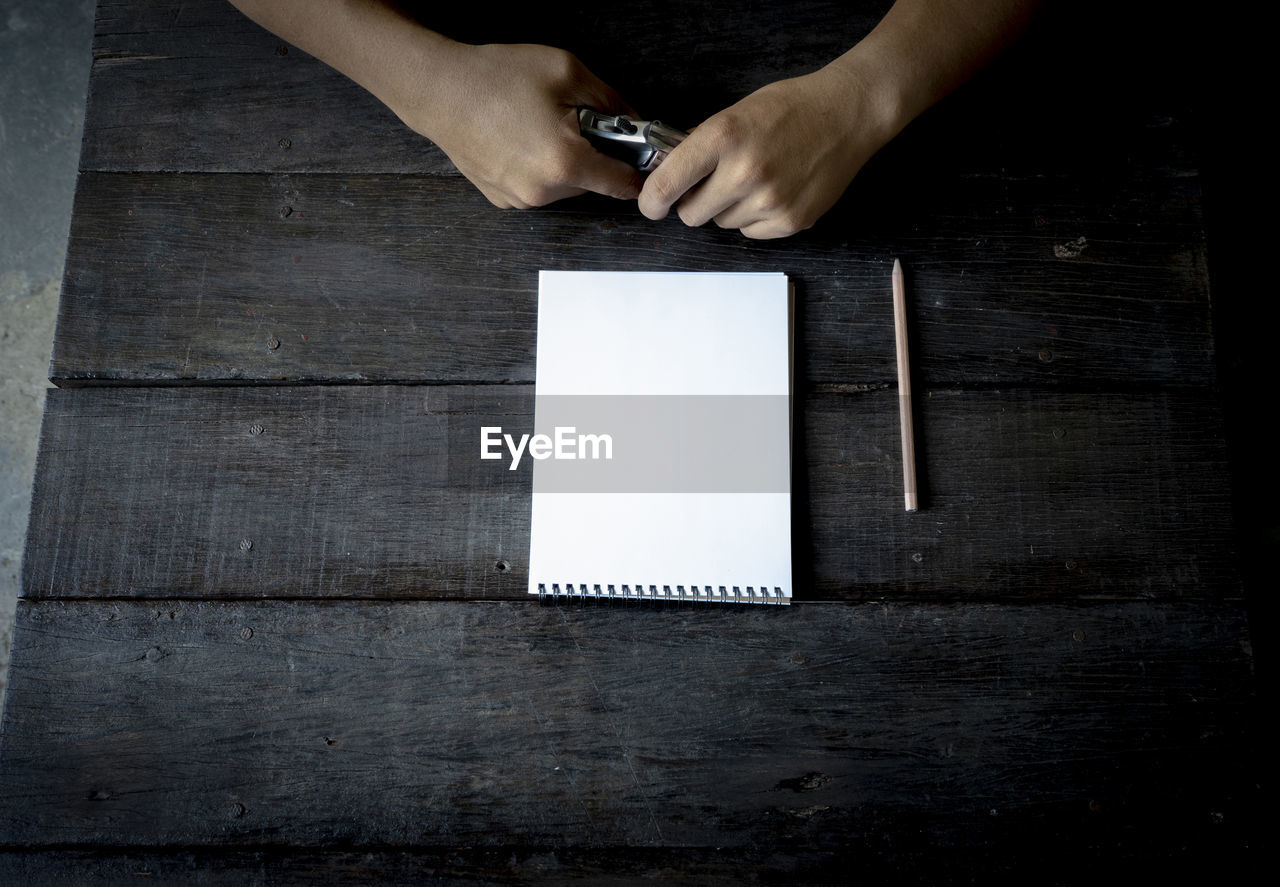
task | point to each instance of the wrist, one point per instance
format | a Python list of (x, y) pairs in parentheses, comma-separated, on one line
[(874, 106), (419, 76)]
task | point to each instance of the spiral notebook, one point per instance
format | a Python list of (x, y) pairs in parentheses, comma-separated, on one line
[(663, 429)]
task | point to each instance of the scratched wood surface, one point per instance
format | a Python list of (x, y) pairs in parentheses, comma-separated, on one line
[(893, 860), (480, 724), (380, 492), (180, 279), (274, 625), (1070, 94), (1043, 253), (281, 110)]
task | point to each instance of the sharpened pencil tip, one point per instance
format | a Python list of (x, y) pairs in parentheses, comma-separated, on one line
[(897, 266)]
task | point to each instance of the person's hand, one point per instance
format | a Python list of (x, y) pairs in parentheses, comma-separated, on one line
[(508, 120), (773, 163)]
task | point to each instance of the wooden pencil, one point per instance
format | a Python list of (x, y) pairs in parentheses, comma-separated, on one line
[(904, 388)]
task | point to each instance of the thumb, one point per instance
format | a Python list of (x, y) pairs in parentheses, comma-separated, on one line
[(605, 175)]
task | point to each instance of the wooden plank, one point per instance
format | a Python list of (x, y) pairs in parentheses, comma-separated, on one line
[(459, 866), (1071, 96), (371, 491), (1028, 282), (818, 727), (878, 855), (230, 96)]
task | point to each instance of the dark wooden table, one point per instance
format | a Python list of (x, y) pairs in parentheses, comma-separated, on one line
[(274, 624)]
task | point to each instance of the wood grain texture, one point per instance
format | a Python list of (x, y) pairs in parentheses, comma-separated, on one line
[(230, 96), (1071, 97), (818, 728), (1029, 282), (884, 856), (892, 860), (379, 492), (466, 866), (1058, 688), (1039, 253)]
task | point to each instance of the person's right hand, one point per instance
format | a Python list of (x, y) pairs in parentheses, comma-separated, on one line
[(507, 117), (775, 161)]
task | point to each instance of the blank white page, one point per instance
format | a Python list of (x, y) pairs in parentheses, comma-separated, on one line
[(619, 333), (655, 335)]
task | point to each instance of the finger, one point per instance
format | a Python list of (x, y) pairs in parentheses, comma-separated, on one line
[(580, 167), (601, 96), (498, 198), (606, 103), (712, 199), (739, 215), (610, 102), (766, 229), (688, 164), (601, 174)]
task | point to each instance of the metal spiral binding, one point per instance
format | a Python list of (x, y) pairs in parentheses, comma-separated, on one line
[(718, 594)]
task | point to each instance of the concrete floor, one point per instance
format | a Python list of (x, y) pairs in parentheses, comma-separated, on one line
[(45, 53)]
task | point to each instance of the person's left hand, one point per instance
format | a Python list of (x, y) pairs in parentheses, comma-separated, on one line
[(773, 163)]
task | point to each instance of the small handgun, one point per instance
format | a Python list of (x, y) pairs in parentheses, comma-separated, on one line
[(642, 143)]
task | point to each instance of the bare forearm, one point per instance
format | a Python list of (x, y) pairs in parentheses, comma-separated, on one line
[(372, 42), (775, 161), (924, 49), (440, 87)]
